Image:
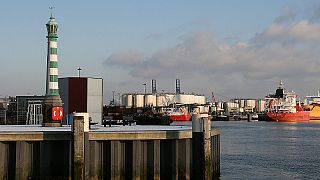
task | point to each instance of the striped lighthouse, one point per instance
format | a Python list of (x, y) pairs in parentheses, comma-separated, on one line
[(53, 111), (52, 88)]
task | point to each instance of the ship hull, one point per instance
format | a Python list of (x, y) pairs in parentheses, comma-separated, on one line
[(314, 112), (182, 117), (314, 118), (301, 116)]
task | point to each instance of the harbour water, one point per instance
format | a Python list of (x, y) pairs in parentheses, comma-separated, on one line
[(265, 150)]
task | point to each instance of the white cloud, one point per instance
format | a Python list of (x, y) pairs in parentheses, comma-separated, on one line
[(305, 31), (125, 59), (285, 50)]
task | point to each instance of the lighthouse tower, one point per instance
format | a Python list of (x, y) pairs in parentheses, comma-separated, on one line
[(53, 111)]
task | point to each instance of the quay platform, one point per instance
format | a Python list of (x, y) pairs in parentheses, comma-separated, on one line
[(116, 152)]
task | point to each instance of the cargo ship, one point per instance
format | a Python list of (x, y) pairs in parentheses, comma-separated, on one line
[(283, 107), (312, 104), (177, 114)]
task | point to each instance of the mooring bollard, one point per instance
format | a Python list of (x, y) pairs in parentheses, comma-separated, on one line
[(201, 144), (249, 117), (80, 134)]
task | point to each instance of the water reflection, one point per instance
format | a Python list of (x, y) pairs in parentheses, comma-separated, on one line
[(264, 150)]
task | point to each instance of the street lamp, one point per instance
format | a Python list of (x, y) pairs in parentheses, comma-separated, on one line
[(79, 69), (145, 88), (145, 92), (119, 99), (113, 98)]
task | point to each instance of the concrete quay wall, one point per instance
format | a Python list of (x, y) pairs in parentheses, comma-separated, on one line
[(139, 154)]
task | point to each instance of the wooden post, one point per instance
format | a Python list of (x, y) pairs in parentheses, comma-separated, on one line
[(80, 125), (207, 148), (249, 117)]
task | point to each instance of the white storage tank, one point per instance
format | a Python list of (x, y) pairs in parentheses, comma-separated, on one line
[(190, 99), (260, 105), (250, 103), (127, 100), (220, 104), (242, 105), (138, 100), (201, 100), (177, 98), (232, 105), (171, 98), (195, 100), (151, 100), (124, 98), (182, 99), (161, 100)]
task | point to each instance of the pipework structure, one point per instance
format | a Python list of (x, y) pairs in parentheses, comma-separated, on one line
[(52, 104)]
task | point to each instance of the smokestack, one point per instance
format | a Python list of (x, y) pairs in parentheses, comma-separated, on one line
[(154, 86), (177, 86)]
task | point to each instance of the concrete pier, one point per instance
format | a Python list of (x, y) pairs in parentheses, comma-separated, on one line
[(117, 152)]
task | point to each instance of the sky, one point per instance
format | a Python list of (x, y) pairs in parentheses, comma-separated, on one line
[(235, 49)]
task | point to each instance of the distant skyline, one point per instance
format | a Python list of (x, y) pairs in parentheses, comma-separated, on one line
[(231, 48)]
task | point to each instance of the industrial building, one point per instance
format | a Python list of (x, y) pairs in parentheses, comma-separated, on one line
[(4, 103), (239, 106), (160, 100), (29, 109), (24, 110), (82, 94), (155, 99)]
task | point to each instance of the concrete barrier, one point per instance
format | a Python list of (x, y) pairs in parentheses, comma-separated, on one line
[(125, 152)]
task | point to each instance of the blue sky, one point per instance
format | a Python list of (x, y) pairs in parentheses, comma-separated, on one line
[(233, 48)]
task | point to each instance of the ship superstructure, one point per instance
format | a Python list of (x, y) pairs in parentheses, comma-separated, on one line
[(283, 107)]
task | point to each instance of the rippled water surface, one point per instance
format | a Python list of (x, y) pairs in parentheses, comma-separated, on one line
[(266, 150)]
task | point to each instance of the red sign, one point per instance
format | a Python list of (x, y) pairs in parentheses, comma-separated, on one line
[(57, 113)]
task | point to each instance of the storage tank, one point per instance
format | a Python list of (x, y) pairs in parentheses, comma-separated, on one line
[(139, 100), (201, 100), (124, 99), (177, 98), (127, 100), (170, 98), (198, 99), (260, 105), (242, 103), (190, 99), (195, 99), (232, 105), (181, 98), (250, 103), (151, 100), (161, 100), (220, 105)]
